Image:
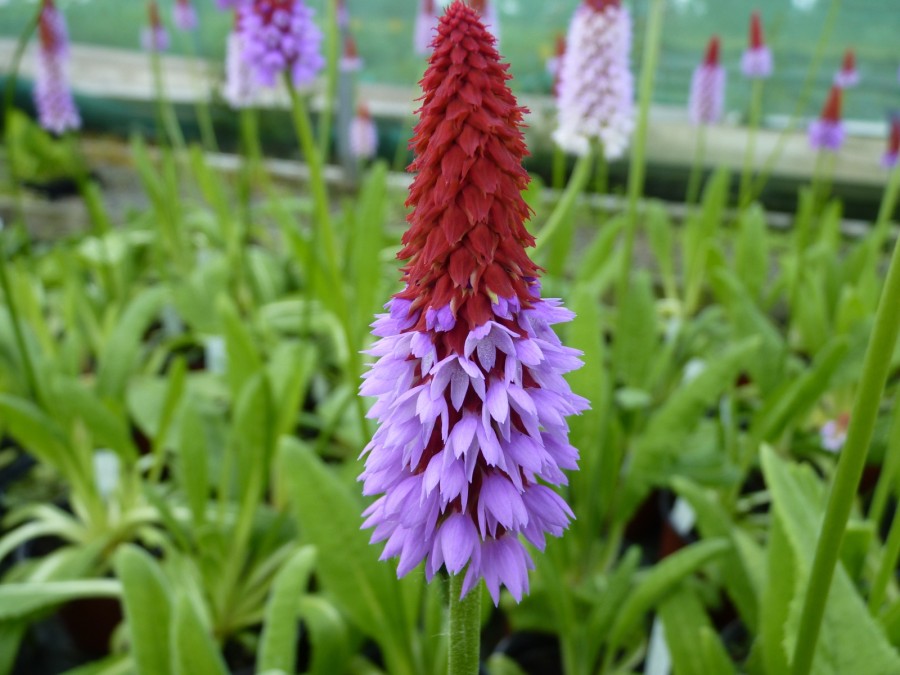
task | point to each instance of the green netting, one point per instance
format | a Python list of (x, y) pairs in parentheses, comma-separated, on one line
[(383, 29)]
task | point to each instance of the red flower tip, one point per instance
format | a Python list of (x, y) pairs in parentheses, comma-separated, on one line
[(600, 5), (756, 32), (894, 138), (350, 50), (479, 5), (712, 52), (362, 111), (465, 246), (849, 64), (429, 6), (153, 12), (560, 44), (831, 112), (46, 30)]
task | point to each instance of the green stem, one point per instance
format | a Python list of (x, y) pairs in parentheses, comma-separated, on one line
[(166, 112), (746, 190), (8, 95), (638, 168), (13, 307), (693, 190), (465, 629), (333, 54), (886, 568), (558, 178), (853, 458)]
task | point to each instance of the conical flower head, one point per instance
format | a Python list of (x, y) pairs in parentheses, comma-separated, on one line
[(468, 377), (279, 36), (707, 99), (241, 89), (154, 36), (596, 88), (489, 17), (363, 134), (350, 59), (756, 62), (184, 15), (827, 132), (848, 75), (52, 94), (893, 148)]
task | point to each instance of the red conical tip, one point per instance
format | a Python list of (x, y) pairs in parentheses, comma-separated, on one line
[(350, 50), (45, 27), (849, 64), (832, 110), (465, 246), (756, 32), (560, 44), (479, 5), (153, 11), (894, 138), (600, 5), (429, 7), (712, 52), (362, 111)]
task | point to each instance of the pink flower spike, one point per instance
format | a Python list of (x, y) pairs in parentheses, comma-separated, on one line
[(241, 89), (184, 15), (756, 62), (707, 99), (425, 27), (363, 134), (889, 161), (350, 60), (827, 132), (154, 37), (848, 75), (468, 371), (52, 95), (596, 87), (554, 63)]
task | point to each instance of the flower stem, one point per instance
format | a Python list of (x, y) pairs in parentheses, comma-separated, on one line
[(166, 112), (465, 629), (637, 168), (745, 194), (17, 332), (853, 457), (693, 190)]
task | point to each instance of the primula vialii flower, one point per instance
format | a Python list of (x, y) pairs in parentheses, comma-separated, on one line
[(707, 99), (426, 23), (827, 132), (184, 15), (52, 95), (154, 37), (889, 160), (280, 35), (848, 75), (756, 63), (554, 63), (833, 433), (241, 89), (596, 88), (350, 60), (471, 398), (363, 134)]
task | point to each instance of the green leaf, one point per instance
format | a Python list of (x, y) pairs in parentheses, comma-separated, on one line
[(290, 369), (243, 357), (118, 359), (798, 504), (11, 634), (278, 642), (148, 609), (692, 642), (193, 469), (659, 582), (20, 600), (637, 333), (365, 588), (700, 236), (327, 635), (35, 431), (751, 251), (194, 652), (500, 664)]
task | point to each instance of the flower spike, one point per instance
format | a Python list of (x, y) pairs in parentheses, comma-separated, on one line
[(848, 75), (596, 87), (827, 132), (468, 376), (52, 94), (184, 15), (889, 160), (279, 35), (707, 100), (154, 37), (756, 62)]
